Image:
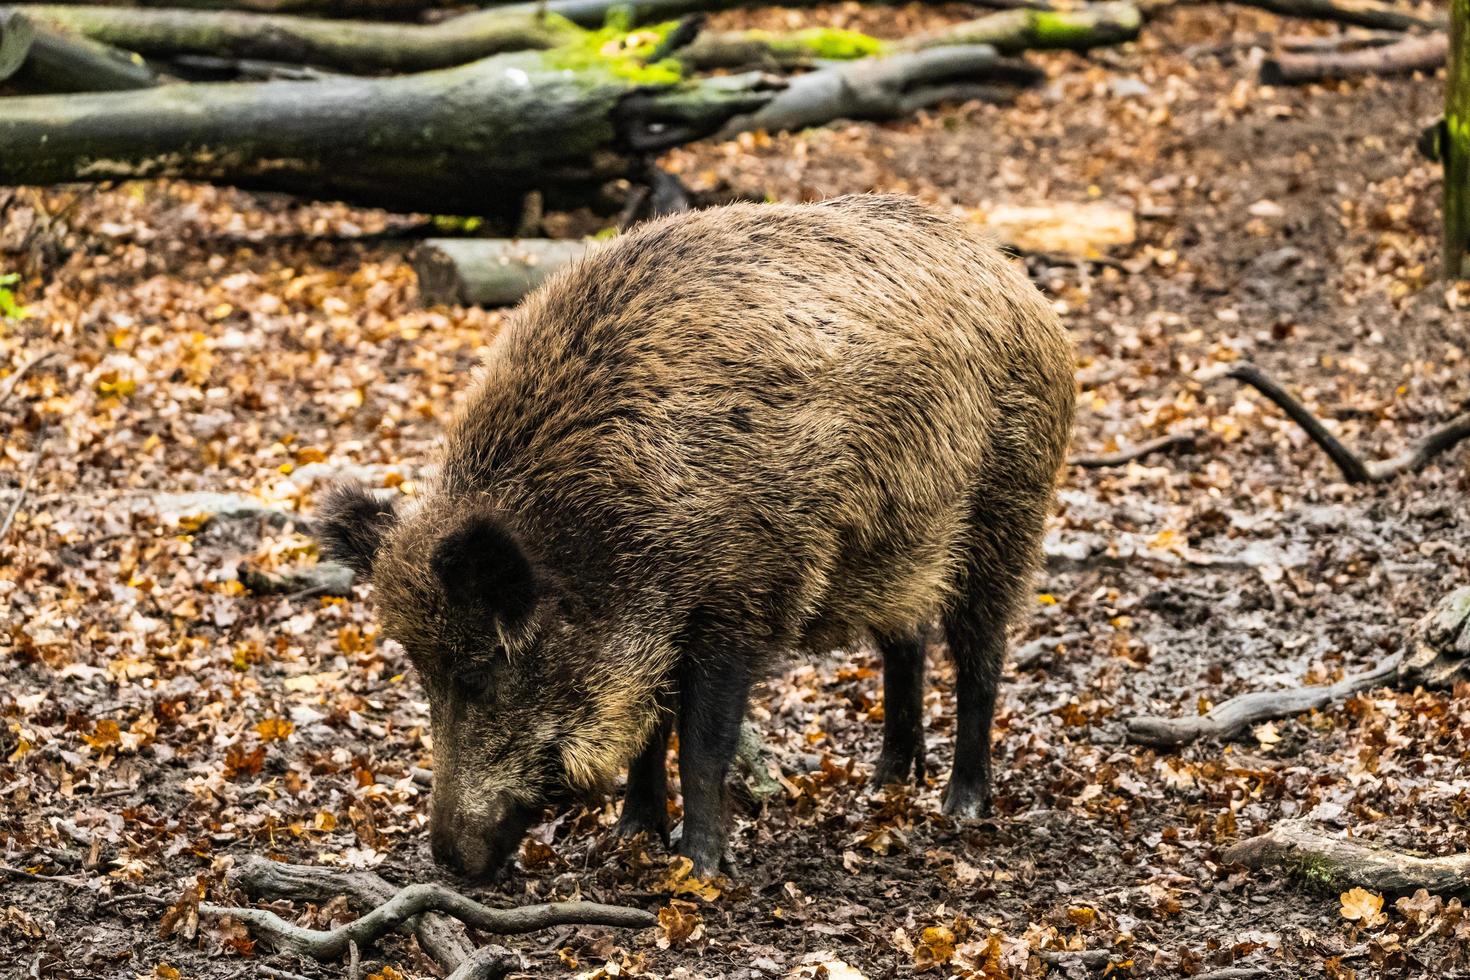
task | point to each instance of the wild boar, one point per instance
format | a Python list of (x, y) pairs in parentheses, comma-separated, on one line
[(723, 437)]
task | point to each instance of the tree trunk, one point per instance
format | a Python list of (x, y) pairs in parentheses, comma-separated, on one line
[(1412, 54), (487, 271), (1363, 13), (1008, 31), (469, 140), (1456, 146), (38, 58)]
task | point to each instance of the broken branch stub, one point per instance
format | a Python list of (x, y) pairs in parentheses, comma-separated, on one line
[(1439, 646)]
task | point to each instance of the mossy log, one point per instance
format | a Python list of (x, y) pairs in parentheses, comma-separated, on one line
[(325, 8), (361, 47), (39, 58), (468, 140), (1012, 31), (355, 46), (1008, 31)]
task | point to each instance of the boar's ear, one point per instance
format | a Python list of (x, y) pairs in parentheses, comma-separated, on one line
[(481, 564), (350, 525)]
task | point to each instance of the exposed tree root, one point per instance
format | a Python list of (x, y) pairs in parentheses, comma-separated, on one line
[(414, 905), (1236, 716), (1336, 863), (1183, 441), (1354, 468)]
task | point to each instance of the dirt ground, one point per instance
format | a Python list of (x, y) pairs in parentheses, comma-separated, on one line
[(157, 723)]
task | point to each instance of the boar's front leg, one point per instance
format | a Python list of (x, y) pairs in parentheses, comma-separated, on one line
[(645, 804), (712, 706), (903, 710)]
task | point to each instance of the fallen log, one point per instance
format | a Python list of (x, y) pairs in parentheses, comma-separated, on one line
[(1008, 31), (39, 58), (1411, 54), (1236, 716), (1337, 863), (468, 140), (357, 46), (360, 47), (487, 272), (1012, 31), (1353, 467), (1362, 13), (324, 8)]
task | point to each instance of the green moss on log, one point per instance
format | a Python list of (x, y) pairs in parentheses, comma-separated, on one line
[(621, 52)]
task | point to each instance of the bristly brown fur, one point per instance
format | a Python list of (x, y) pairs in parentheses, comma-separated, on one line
[(752, 428)]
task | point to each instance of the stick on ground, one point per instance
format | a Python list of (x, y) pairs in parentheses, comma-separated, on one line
[(1336, 863), (1182, 441), (1236, 716), (1354, 468)]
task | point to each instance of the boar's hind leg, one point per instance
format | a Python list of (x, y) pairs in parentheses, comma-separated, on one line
[(976, 630), (645, 804), (712, 705), (903, 710)]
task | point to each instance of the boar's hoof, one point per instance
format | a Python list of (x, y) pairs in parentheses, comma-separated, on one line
[(966, 801), (896, 767), (636, 820)]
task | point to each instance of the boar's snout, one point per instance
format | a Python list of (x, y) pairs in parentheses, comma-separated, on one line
[(477, 842)]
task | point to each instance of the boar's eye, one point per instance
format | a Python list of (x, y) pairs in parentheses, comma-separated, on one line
[(473, 682)]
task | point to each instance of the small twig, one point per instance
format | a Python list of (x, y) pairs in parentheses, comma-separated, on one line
[(1091, 958), (354, 962), (1235, 716), (25, 486), (1354, 468), (1235, 973), (1336, 862), (71, 880), (1183, 441), (16, 378), (1032, 653), (414, 900), (275, 974)]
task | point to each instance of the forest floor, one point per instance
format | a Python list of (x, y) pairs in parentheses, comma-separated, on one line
[(157, 723)]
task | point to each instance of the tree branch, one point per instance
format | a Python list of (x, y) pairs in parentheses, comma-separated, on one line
[(1184, 441), (1354, 468), (1237, 715)]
